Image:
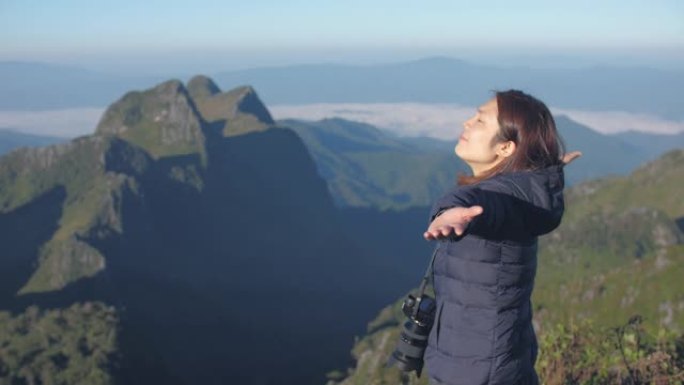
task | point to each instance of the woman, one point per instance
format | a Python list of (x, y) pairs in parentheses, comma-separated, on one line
[(485, 267)]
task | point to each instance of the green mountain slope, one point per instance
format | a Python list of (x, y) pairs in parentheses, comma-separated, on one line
[(367, 167), (618, 253), (614, 231), (89, 200)]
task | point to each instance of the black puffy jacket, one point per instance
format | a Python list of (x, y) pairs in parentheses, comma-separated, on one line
[(483, 280)]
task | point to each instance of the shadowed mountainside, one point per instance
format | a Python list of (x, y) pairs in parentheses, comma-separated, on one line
[(207, 228)]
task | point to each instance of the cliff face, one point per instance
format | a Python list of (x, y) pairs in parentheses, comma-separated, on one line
[(205, 226)]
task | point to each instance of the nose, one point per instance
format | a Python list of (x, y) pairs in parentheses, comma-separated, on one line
[(467, 124)]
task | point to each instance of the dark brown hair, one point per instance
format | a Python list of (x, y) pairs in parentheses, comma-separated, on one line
[(528, 123)]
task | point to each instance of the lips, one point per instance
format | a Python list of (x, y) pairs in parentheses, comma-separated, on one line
[(462, 138)]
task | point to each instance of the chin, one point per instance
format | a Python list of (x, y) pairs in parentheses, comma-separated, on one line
[(458, 152)]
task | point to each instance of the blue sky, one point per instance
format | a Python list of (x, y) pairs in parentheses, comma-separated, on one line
[(238, 34)]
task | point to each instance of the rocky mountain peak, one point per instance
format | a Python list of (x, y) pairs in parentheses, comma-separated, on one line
[(247, 102), (235, 112), (163, 120), (201, 86)]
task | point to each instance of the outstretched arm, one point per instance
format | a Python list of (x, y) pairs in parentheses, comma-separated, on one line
[(455, 220)]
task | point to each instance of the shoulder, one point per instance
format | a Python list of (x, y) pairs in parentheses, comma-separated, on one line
[(526, 184)]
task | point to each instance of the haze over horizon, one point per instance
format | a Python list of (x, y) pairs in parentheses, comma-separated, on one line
[(164, 39), (172, 38)]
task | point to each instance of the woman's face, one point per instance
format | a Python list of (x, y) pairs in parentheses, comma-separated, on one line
[(477, 145)]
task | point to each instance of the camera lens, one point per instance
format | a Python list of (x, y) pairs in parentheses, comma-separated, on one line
[(408, 355)]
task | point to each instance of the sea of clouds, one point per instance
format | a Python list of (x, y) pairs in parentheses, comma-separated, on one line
[(442, 121)]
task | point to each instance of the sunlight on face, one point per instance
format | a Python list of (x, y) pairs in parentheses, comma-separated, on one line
[(476, 145)]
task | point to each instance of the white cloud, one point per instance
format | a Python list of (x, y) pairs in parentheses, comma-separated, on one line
[(409, 119), (611, 122), (444, 121), (66, 123)]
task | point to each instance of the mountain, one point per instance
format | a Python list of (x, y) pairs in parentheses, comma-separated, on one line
[(367, 167), (653, 145), (619, 252), (188, 240), (29, 86), (602, 155), (10, 139)]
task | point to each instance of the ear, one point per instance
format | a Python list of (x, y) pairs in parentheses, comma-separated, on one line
[(506, 149)]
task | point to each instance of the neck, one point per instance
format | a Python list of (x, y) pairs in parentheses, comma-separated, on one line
[(480, 168)]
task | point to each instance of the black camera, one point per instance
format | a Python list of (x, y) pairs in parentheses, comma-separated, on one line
[(408, 356)]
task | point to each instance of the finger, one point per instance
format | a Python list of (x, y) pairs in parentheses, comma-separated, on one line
[(431, 234), (473, 211), (445, 230), (569, 157), (458, 229)]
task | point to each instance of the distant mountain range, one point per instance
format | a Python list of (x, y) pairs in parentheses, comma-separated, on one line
[(652, 145), (36, 86), (444, 80), (10, 139)]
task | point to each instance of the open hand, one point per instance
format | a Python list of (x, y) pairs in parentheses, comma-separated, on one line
[(570, 156), (451, 221)]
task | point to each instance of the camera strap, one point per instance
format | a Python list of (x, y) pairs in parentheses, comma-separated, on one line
[(426, 277)]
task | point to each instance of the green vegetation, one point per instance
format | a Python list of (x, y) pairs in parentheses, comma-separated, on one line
[(581, 353), (158, 123), (239, 111), (373, 351), (70, 346), (77, 167), (161, 120), (654, 185), (618, 251)]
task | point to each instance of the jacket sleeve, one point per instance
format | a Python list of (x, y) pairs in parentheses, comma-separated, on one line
[(502, 215)]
